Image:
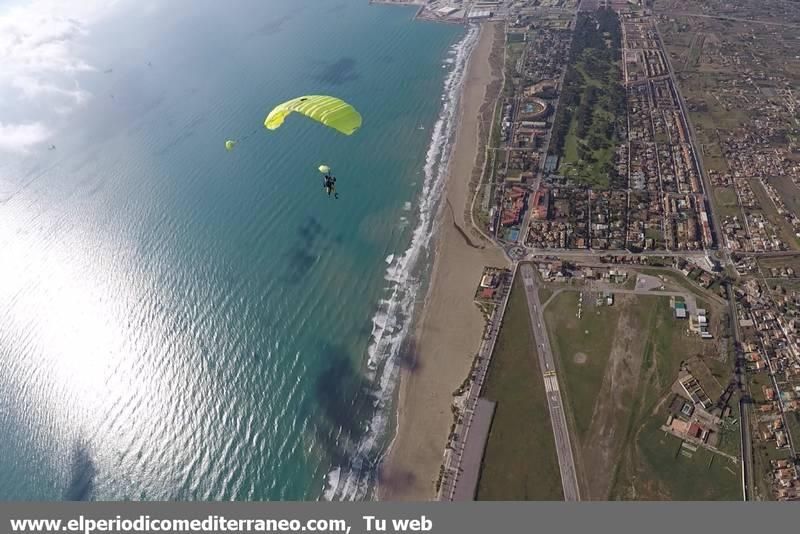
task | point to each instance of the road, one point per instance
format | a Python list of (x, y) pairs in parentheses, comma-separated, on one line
[(558, 420), (454, 456), (526, 221), (744, 402), (488, 148), (736, 19), (716, 227), (597, 253), (740, 366)]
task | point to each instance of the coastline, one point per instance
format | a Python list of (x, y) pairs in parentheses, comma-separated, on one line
[(449, 328)]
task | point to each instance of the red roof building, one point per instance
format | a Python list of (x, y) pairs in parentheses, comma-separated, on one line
[(539, 204), (513, 206)]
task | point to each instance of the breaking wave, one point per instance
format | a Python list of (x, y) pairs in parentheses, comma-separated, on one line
[(393, 318)]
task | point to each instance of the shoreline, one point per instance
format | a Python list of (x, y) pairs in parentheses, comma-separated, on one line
[(448, 330)]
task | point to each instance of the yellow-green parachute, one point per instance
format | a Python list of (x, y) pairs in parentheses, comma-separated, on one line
[(330, 111), (229, 144), (324, 169)]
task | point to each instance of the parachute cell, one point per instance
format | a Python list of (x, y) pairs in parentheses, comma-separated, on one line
[(229, 144), (330, 111)]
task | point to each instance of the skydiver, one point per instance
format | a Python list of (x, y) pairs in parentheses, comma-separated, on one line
[(329, 183)]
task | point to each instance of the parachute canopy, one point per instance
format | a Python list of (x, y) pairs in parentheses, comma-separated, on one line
[(229, 144), (324, 169), (328, 110)]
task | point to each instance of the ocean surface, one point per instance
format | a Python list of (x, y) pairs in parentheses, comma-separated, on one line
[(180, 322)]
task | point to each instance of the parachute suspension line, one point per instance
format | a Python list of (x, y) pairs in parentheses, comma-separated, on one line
[(251, 134)]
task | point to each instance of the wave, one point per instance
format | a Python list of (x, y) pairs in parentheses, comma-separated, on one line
[(393, 318), (331, 483)]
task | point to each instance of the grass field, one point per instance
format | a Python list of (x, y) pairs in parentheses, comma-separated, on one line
[(666, 346), (591, 336), (666, 471), (544, 294), (726, 202), (793, 425), (789, 192), (664, 351), (757, 382), (572, 165), (520, 461), (768, 263), (730, 440), (588, 155), (719, 327), (763, 453), (708, 142), (653, 466), (785, 230), (617, 365)]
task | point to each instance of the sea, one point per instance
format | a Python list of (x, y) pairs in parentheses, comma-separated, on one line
[(180, 322)]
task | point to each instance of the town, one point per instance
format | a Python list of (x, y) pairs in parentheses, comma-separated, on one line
[(642, 175)]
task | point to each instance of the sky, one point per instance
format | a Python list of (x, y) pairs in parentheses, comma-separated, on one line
[(40, 64)]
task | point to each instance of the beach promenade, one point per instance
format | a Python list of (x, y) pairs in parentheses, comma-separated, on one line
[(462, 461)]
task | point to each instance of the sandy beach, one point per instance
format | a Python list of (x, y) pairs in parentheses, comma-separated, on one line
[(450, 326)]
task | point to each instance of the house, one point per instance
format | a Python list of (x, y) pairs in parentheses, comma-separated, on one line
[(780, 439), (680, 427), (680, 407)]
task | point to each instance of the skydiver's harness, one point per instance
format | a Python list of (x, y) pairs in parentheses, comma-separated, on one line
[(330, 185)]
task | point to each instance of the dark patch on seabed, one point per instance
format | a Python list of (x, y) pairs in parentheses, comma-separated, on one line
[(339, 72), (273, 26), (82, 474), (345, 403), (305, 250), (336, 8)]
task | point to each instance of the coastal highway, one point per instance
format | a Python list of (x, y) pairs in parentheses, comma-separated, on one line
[(558, 420)]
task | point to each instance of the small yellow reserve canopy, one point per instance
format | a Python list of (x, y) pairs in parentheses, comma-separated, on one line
[(324, 169), (330, 111), (229, 144)]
